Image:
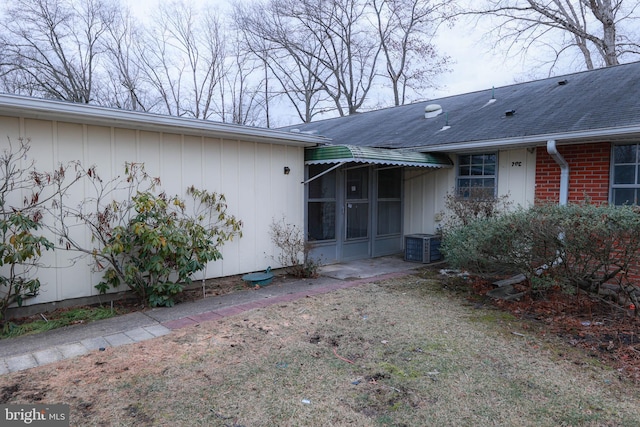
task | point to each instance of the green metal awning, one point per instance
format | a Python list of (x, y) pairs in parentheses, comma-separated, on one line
[(383, 156)]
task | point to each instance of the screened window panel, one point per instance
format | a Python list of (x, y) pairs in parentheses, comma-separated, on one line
[(389, 217), (321, 220), (323, 187), (357, 220), (389, 183)]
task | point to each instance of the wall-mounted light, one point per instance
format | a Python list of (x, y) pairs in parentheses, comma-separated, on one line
[(287, 170)]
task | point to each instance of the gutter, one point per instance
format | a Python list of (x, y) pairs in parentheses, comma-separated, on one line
[(528, 141), (35, 108), (564, 171)]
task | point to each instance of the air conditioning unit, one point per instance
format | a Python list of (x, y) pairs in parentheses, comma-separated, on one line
[(423, 248)]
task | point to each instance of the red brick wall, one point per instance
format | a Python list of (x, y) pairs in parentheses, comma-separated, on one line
[(589, 166), (588, 173)]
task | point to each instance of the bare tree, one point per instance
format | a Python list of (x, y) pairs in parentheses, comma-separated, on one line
[(183, 59), (126, 87), (603, 31), (52, 47), (405, 28), (242, 97), (349, 49), (331, 42), (272, 37)]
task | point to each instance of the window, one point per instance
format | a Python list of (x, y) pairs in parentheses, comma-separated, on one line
[(625, 187), (389, 201), (477, 175), (321, 207)]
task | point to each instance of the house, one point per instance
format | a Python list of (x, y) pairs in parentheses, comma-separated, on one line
[(258, 170), (387, 172), (356, 184)]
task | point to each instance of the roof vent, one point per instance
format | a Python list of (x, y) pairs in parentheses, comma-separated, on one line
[(563, 82), (432, 110), (510, 113)]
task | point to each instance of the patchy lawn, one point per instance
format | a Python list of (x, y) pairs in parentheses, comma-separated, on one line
[(403, 352), (602, 330)]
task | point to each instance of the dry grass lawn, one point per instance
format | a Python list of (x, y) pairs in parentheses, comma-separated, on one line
[(397, 353)]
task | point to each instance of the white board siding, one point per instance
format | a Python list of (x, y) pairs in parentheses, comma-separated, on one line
[(425, 192), (249, 174), (517, 176)]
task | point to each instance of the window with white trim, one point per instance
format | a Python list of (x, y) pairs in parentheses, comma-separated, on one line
[(625, 180), (477, 175)]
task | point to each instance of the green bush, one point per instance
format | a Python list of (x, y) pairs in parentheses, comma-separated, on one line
[(161, 246), (577, 247), (502, 244), (20, 250), (21, 246)]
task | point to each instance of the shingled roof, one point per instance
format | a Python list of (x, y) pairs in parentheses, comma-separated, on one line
[(602, 104)]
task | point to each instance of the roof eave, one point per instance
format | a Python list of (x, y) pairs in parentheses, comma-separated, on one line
[(44, 109), (594, 135)]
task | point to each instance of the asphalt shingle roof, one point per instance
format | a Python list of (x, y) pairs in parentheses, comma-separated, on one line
[(590, 100)]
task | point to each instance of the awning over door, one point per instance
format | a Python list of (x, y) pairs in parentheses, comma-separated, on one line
[(384, 156)]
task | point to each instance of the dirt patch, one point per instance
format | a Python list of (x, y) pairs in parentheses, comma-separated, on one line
[(602, 330), (400, 352)]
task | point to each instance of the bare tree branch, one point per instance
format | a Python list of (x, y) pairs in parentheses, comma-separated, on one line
[(603, 31)]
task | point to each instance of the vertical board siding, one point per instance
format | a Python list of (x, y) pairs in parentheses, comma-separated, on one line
[(231, 184), (424, 193), (249, 174), (516, 176), (426, 190)]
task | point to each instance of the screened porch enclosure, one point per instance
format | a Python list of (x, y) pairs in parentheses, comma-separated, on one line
[(354, 199), (354, 211)]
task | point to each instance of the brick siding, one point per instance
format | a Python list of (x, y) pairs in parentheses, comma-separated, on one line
[(588, 173), (589, 166)]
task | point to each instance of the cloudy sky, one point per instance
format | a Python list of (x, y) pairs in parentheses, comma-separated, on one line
[(474, 65)]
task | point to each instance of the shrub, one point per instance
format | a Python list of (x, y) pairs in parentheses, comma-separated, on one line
[(577, 247), (478, 203), (143, 238), (161, 247), (295, 250), (21, 199), (20, 250)]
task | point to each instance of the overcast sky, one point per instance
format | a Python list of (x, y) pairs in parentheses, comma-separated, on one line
[(474, 65)]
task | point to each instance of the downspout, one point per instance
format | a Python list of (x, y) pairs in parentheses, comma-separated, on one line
[(564, 171)]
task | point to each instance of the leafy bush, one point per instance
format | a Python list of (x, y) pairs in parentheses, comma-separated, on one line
[(295, 250), (520, 241), (20, 250), (21, 247), (577, 247), (143, 238), (161, 247)]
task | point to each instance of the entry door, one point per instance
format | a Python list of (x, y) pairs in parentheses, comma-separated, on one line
[(357, 213)]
